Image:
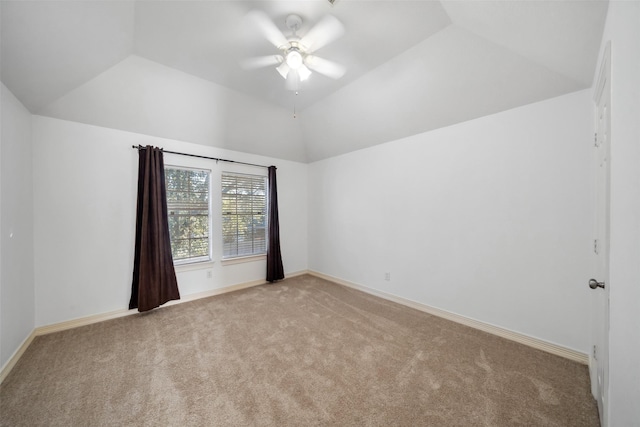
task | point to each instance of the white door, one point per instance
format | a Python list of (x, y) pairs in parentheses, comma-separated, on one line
[(599, 362)]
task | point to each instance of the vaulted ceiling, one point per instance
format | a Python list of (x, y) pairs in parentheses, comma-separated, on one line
[(172, 68)]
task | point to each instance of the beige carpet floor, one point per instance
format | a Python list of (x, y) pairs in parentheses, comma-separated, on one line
[(302, 352)]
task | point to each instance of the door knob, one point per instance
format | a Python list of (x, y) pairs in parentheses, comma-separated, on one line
[(593, 284)]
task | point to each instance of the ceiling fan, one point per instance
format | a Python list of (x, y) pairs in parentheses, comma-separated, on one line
[(296, 59)]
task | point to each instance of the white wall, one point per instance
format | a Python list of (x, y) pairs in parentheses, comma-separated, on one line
[(142, 96), (16, 227), (623, 30), (489, 219), (85, 183)]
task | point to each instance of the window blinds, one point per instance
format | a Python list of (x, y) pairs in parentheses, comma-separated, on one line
[(244, 218)]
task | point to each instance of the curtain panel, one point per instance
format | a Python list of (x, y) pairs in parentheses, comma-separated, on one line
[(275, 270), (154, 277)]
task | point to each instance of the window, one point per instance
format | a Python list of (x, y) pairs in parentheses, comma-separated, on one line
[(188, 208), (244, 207)]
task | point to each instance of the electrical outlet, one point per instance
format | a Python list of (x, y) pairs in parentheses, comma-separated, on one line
[(209, 274), (387, 277)]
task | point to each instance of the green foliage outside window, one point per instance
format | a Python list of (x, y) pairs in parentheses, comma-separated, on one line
[(188, 208)]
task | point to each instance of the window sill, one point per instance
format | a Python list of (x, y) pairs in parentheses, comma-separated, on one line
[(243, 259), (202, 265)]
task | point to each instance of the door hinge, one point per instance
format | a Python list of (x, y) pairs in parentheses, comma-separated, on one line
[(595, 352), (595, 246), (595, 139)]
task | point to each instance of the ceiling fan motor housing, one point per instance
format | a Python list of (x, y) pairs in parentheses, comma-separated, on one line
[(293, 54)]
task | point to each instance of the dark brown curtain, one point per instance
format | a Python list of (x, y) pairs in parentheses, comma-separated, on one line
[(154, 278), (275, 271)]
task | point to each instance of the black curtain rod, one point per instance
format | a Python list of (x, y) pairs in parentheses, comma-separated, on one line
[(140, 147)]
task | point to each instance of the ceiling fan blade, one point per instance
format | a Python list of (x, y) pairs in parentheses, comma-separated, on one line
[(323, 33), (268, 29), (261, 61), (324, 66)]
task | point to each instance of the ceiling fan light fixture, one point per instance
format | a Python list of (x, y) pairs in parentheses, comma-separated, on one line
[(283, 69), (294, 59), (304, 73)]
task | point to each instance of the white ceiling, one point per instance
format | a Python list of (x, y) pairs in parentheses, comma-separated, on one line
[(412, 66)]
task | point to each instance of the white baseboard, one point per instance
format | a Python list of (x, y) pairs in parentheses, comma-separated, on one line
[(96, 318), (486, 327), (16, 356)]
